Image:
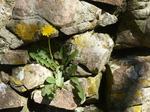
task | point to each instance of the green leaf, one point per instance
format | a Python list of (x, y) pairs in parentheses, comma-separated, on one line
[(72, 56), (78, 87), (59, 78), (50, 80), (72, 69), (63, 53)]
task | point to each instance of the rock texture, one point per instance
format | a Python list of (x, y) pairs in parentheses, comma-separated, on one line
[(29, 77), (57, 12), (64, 99), (130, 83), (87, 17), (6, 7), (92, 47), (16, 57), (9, 98), (112, 2)]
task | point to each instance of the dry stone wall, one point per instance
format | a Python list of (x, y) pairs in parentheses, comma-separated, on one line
[(112, 38)]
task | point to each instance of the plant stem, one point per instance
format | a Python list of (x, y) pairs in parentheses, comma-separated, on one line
[(50, 52)]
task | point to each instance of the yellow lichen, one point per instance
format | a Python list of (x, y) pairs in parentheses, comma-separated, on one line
[(137, 109), (91, 89), (26, 32), (145, 82), (23, 90), (137, 94), (119, 95), (25, 68), (16, 81)]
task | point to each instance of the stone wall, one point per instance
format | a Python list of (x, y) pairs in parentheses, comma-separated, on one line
[(113, 42)]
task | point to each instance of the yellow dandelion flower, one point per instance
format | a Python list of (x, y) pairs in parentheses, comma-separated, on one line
[(47, 30)]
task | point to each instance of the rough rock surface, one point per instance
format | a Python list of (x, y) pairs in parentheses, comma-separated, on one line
[(131, 81), (64, 99), (112, 2), (90, 86), (29, 77), (57, 12), (9, 98), (87, 17), (134, 28), (15, 57), (6, 7), (11, 41), (94, 49)]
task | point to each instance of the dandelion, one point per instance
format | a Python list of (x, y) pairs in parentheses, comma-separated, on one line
[(47, 30)]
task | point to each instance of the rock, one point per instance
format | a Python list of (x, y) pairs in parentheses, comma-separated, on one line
[(134, 27), (81, 72), (9, 98), (89, 108), (11, 41), (131, 83), (94, 49), (64, 99), (4, 46), (140, 9), (6, 7), (111, 2), (4, 77), (31, 28), (57, 12), (15, 57), (23, 8), (90, 86), (29, 77), (87, 17)]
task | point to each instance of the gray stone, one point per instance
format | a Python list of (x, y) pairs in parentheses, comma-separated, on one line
[(15, 57), (11, 41), (6, 7), (29, 77), (111, 2), (9, 98), (131, 82), (4, 77), (23, 8), (89, 108), (57, 12), (87, 17), (134, 28), (94, 49), (64, 99), (140, 9)]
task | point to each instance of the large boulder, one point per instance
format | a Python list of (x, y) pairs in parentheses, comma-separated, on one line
[(87, 17), (9, 98), (29, 77), (14, 57), (64, 99), (131, 82), (57, 12), (94, 49), (134, 27)]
